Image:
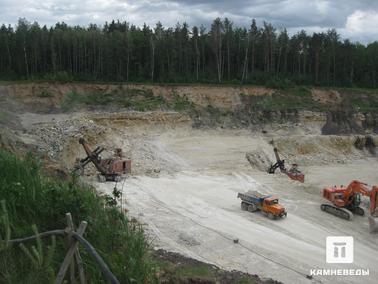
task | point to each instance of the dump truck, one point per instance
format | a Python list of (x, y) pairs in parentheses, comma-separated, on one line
[(253, 201)]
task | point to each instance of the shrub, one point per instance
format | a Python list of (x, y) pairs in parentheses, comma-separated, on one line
[(278, 83)]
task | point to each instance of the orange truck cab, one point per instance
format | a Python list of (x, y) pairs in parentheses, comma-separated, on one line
[(253, 201), (271, 205)]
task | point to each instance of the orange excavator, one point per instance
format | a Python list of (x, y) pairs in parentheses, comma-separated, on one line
[(346, 201)]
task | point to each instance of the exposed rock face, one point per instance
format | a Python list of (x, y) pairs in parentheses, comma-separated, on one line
[(350, 122), (326, 96), (215, 106), (259, 160), (48, 96), (223, 98)]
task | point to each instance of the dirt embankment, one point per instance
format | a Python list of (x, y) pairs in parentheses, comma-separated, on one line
[(328, 111), (183, 270), (51, 117), (47, 96)]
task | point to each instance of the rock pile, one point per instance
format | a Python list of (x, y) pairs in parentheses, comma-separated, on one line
[(54, 137)]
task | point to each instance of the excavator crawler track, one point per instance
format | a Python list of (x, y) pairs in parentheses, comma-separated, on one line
[(336, 211), (359, 211)]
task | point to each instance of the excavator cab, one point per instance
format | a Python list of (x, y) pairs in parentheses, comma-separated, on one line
[(356, 200), (294, 169)]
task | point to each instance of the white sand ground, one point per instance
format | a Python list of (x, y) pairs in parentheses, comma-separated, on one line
[(195, 210)]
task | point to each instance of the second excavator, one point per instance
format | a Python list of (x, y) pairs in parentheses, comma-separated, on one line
[(294, 173), (346, 200)]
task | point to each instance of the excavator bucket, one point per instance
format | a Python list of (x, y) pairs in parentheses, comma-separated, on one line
[(373, 224)]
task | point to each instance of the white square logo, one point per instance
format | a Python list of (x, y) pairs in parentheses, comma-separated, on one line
[(339, 250)]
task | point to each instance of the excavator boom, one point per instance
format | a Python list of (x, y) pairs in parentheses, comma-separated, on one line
[(280, 163), (373, 219), (92, 156)]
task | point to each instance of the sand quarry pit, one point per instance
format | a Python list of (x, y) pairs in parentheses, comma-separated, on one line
[(193, 209), (185, 182)]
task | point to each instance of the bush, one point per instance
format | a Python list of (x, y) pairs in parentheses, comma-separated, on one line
[(32, 198), (278, 83), (70, 100)]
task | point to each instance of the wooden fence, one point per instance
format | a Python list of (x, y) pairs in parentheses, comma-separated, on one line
[(72, 260)]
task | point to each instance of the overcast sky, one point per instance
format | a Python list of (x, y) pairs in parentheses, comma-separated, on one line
[(354, 19)]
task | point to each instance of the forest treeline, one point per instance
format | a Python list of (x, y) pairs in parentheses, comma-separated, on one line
[(224, 53)]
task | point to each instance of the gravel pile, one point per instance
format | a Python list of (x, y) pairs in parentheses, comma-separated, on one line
[(54, 137)]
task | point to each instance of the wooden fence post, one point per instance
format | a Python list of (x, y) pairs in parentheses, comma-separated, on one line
[(80, 266), (71, 228), (70, 254), (77, 257)]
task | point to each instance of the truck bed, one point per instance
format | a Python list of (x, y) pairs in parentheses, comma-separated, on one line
[(252, 197)]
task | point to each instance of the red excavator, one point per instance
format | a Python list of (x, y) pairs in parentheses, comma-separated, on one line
[(294, 173), (346, 201), (110, 169)]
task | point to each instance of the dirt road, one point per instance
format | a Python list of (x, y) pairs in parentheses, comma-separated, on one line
[(195, 210)]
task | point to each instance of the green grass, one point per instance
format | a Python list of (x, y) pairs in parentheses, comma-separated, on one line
[(363, 101), (355, 90), (31, 198), (298, 98), (198, 271), (179, 103), (139, 100)]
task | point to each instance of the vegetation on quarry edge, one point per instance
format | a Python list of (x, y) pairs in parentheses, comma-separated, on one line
[(33, 200)]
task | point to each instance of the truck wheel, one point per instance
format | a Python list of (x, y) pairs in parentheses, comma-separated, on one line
[(244, 206), (252, 208), (270, 216)]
